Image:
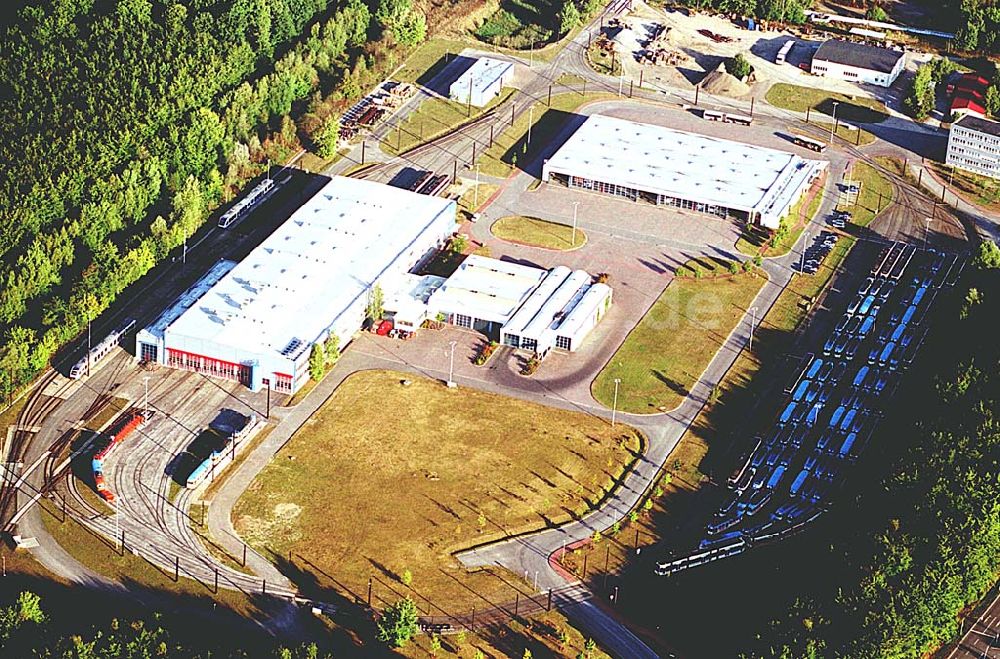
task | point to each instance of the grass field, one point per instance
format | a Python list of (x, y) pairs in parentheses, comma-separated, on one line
[(798, 98), (432, 118), (428, 59), (981, 190), (537, 233), (521, 24), (708, 266), (473, 198), (755, 239), (875, 196), (387, 478), (510, 147), (846, 134), (673, 343), (717, 428)]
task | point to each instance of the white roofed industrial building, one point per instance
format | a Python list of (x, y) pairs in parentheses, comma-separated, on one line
[(662, 166), (522, 306), (311, 278), (482, 82)]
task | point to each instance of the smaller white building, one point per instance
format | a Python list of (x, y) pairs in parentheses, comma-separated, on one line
[(974, 145), (522, 306), (482, 82), (858, 62)]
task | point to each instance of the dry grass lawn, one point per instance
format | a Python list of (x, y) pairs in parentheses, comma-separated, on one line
[(387, 478), (673, 343), (537, 233)]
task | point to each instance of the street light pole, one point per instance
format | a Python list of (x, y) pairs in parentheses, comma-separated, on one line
[(575, 205), (145, 397), (451, 367), (475, 194), (753, 321), (614, 403), (802, 258), (531, 120), (927, 227), (835, 104)]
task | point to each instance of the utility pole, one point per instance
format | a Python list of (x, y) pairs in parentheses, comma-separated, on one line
[(531, 120), (753, 321), (475, 193), (834, 124), (451, 367), (575, 205), (88, 346), (614, 409)]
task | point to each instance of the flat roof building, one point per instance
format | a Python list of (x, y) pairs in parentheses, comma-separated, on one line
[(974, 145), (522, 306), (663, 166), (257, 320), (858, 62), (482, 82)]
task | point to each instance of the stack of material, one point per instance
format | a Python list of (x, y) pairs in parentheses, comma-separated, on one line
[(721, 83)]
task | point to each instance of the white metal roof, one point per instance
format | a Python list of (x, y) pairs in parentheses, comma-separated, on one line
[(486, 288), (315, 265), (686, 165), (583, 309), (478, 77)]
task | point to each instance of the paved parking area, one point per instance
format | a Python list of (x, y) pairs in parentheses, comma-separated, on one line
[(638, 274)]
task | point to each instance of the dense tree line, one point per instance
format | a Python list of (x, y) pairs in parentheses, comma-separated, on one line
[(26, 631), (127, 121), (934, 546), (785, 11)]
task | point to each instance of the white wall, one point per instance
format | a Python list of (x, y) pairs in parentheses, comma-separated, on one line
[(854, 74)]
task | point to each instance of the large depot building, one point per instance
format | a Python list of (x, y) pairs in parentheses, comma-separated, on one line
[(663, 166)]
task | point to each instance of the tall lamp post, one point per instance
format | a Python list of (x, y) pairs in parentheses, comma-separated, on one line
[(575, 205), (834, 124), (753, 322), (145, 397), (614, 403), (927, 228), (475, 194), (451, 366)]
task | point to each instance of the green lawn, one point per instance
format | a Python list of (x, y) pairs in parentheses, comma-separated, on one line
[(510, 147), (421, 471), (844, 133), (473, 199), (432, 118), (799, 98), (708, 266), (720, 429), (673, 343), (537, 233), (428, 59), (981, 190), (521, 24), (876, 189)]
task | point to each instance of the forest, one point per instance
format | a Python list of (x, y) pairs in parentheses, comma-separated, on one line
[(126, 122), (928, 543)]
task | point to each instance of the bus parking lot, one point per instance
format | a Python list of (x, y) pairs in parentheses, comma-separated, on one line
[(831, 406)]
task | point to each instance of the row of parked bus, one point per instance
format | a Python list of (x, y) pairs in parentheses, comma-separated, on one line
[(832, 409)]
